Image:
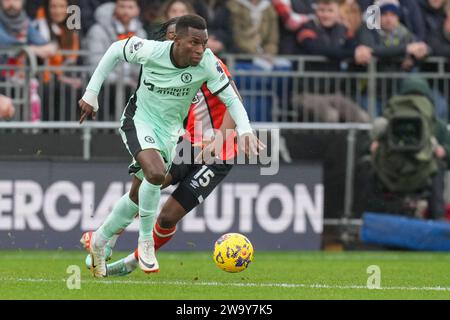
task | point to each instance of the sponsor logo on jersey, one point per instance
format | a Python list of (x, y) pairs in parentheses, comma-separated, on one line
[(149, 139), (186, 77), (219, 67), (136, 46), (176, 92), (150, 86)]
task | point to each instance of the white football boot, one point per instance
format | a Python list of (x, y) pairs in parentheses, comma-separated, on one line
[(147, 257), (98, 260), (86, 242)]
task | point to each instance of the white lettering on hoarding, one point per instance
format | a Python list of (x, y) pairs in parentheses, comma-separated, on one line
[(57, 191), (306, 207), (246, 193), (28, 199), (281, 193), (297, 208), (64, 206), (6, 188)]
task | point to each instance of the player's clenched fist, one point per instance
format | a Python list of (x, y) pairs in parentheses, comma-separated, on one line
[(86, 110)]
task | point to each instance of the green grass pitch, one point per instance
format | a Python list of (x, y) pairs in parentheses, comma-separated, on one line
[(271, 276)]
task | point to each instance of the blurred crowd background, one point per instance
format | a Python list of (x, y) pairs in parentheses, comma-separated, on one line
[(340, 31)]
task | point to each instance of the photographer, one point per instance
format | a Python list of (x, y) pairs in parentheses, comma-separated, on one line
[(410, 147)]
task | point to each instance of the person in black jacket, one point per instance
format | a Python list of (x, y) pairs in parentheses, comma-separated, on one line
[(440, 42), (293, 15), (325, 36), (433, 12)]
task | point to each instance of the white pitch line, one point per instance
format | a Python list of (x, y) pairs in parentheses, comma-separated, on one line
[(232, 284), (359, 258), (300, 258)]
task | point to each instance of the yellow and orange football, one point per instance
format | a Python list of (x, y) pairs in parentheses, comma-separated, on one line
[(233, 252)]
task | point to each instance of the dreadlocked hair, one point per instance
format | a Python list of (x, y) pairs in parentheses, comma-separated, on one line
[(160, 34)]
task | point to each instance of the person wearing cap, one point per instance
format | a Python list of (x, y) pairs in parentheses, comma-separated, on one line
[(393, 41), (410, 16)]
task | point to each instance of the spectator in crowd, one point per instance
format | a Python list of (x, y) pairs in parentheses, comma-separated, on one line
[(55, 29), (217, 16), (52, 24), (411, 18), (391, 43), (7, 110), (350, 15), (115, 21), (175, 8), (255, 26), (149, 16), (293, 14), (16, 29), (440, 42), (409, 13), (326, 36), (170, 10), (88, 9), (434, 16), (32, 8)]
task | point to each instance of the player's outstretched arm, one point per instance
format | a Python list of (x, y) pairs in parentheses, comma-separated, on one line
[(123, 50), (213, 147), (246, 138)]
